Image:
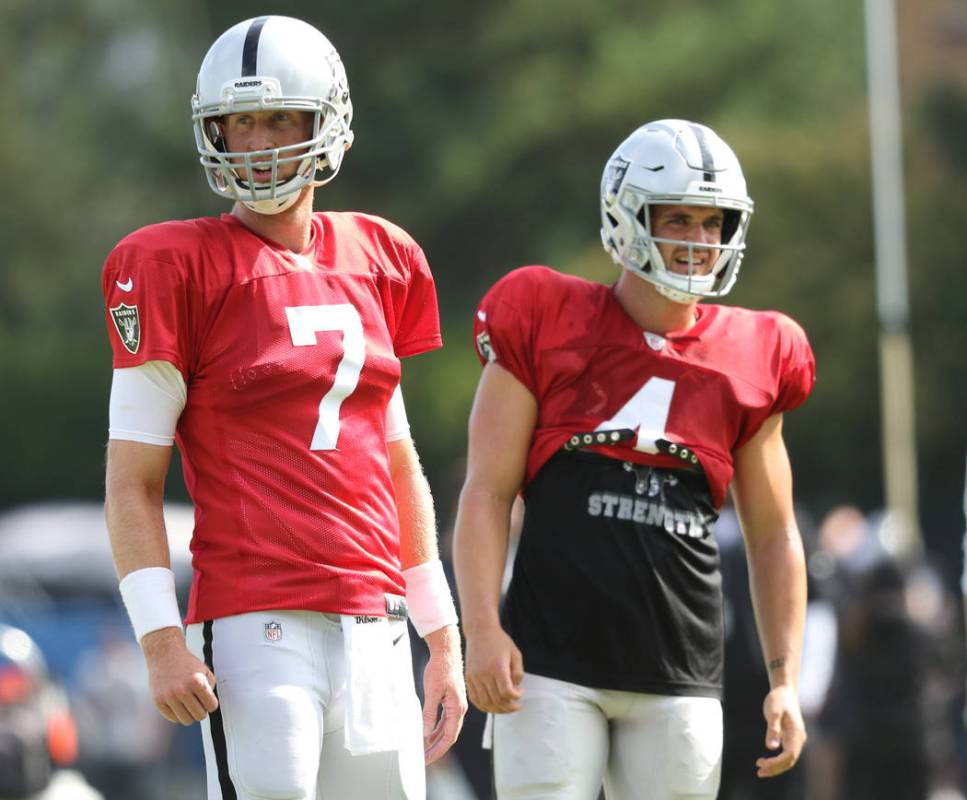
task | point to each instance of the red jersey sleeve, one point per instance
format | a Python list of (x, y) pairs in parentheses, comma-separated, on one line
[(146, 304), (505, 325), (418, 328), (788, 368), (797, 366)]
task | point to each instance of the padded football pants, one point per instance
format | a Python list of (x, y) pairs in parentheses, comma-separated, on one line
[(278, 733), (567, 739)]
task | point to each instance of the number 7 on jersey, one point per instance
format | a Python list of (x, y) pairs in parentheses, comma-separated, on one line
[(304, 323)]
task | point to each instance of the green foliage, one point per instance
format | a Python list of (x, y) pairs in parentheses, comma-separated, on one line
[(482, 128)]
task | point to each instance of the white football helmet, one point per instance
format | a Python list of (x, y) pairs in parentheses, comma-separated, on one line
[(673, 162), (264, 64)]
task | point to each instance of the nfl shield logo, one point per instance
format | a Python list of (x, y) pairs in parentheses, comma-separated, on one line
[(273, 631), (128, 326)]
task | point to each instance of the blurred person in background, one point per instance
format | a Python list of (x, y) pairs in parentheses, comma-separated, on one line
[(934, 608), (267, 342), (887, 727), (873, 718), (38, 738), (124, 741), (623, 414), (746, 679)]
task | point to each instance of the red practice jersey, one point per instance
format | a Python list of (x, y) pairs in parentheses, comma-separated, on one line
[(290, 361), (592, 368)]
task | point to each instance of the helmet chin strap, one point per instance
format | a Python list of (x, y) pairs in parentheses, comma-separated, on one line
[(675, 295), (272, 207), (276, 205)]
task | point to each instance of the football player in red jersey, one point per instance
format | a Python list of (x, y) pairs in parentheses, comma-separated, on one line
[(622, 414), (267, 343)]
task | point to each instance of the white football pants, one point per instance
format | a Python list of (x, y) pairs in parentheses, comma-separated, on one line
[(278, 733), (566, 739)]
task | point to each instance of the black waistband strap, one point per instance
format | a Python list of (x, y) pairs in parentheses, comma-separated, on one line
[(578, 441)]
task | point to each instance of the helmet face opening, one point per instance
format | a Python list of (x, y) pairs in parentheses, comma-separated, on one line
[(270, 64), (230, 170), (677, 163)]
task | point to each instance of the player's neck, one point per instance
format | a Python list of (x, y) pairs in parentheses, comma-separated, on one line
[(651, 310), (292, 228)]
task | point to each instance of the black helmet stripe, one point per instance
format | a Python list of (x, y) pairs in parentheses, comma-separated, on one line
[(250, 50), (708, 163)]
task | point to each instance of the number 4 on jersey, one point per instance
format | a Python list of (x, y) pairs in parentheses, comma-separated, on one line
[(647, 411), (304, 323)]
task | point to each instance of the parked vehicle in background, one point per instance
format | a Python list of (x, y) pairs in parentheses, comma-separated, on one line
[(58, 585)]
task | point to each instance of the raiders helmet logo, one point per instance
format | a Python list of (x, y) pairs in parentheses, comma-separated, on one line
[(128, 326), (614, 174)]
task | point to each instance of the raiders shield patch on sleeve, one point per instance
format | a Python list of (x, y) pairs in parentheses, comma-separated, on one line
[(128, 326), (483, 346)]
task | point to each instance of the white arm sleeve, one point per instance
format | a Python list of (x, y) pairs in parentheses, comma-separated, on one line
[(146, 402), (397, 425)]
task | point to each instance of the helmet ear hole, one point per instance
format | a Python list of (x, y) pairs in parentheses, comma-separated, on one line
[(215, 134), (730, 224)]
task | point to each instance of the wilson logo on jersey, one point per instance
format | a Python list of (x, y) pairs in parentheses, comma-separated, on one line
[(128, 326)]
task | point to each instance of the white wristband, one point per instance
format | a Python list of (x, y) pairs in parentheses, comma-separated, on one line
[(428, 597), (149, 596)]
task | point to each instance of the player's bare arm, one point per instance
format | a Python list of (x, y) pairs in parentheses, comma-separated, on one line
[(762, 489), (133, 504), (501, 425), (181, 685), (445, 696)]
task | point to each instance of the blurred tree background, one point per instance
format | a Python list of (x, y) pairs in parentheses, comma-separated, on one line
[(482, 128)]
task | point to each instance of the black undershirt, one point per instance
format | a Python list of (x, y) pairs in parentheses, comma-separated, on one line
[(616, 582)]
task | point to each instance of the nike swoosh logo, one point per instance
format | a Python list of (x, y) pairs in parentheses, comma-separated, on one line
[(659, 168), (396, 641), (127, 286)]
